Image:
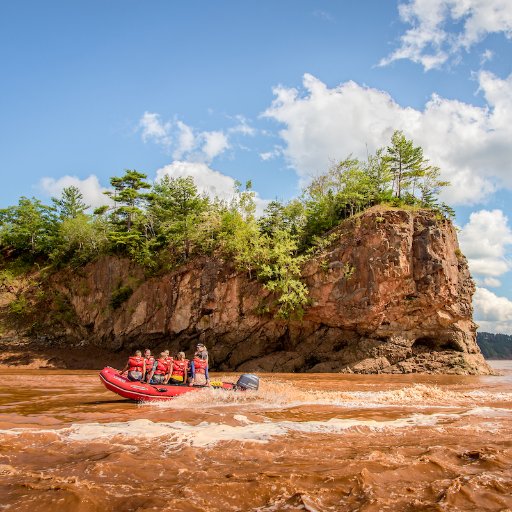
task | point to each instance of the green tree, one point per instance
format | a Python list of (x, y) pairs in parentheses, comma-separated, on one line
[(70, 204), (273, 218), (343, 190), (278, 216), (127, 217), (80, 239), (29, 227), (430, 187), (320, 205), (380, 177), (355, 190), (405, 162), (240, 235), (127, 196), (176, 210), (281, 270)]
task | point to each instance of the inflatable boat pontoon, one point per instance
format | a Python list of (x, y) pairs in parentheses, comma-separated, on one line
[(141, 391)]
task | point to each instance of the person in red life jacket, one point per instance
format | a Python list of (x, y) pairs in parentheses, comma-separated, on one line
[(199, 367), (179, 370), (169, 360), (136, 367), (149, 359), (160, 371)]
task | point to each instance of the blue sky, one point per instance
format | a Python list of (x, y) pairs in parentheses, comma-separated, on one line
[(268, 91)]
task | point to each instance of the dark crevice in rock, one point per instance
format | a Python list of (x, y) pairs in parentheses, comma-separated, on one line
[(430, 344)]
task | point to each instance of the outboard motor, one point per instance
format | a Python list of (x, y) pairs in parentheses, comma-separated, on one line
[(248, 381)]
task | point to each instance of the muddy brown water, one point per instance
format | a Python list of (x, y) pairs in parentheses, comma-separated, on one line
[(303, 442)]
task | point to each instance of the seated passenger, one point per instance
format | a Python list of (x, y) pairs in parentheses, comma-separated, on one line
[(199, 367), (179, 369), (136, 367), (160, 371), (149, 359), (168, 358)]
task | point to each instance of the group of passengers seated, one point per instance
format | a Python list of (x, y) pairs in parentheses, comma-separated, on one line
[(168, 370)]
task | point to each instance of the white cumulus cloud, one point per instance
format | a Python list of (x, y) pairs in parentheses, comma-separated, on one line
[(470, 143), (441, 28), (92, 191), (199, 147), (484, 240), (186, 140), (188, 143), (154, 130), (215, 143), (492, 313)]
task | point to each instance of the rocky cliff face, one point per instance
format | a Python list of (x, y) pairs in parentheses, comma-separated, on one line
[(391, 295)]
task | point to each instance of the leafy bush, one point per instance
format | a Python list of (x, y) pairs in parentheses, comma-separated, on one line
[(79, 240)]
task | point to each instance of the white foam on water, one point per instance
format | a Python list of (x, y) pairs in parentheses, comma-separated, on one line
[(488, 412), (241, 418), (178, 434), (206, 434)]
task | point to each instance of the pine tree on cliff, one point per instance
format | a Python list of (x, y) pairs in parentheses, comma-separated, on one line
[(127, 214), (70, 204), (127, 194), (406, 163), (176, 212)]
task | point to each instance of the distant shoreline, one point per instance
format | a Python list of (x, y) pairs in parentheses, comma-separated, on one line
[(495, 347)]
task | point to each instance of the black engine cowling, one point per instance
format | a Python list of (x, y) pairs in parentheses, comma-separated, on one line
[(248, 381)]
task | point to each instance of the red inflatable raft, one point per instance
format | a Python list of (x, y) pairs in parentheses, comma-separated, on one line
[(141, 391)]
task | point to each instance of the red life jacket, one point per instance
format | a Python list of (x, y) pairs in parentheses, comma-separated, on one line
[(162, 368), (149, 363), (169, 361), (200, 365), (135, 364), (180, 367)]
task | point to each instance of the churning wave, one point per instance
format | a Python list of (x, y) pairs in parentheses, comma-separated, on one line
[(239, 428)]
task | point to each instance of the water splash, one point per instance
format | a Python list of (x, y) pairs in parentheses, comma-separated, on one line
[(277, 394)]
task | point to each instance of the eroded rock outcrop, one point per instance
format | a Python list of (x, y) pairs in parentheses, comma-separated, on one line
[(391, 295)]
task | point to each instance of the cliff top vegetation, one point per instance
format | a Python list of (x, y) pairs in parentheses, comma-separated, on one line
[(162, 225)]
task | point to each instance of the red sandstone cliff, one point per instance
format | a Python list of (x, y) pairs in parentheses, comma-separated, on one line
[(392, 294)]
